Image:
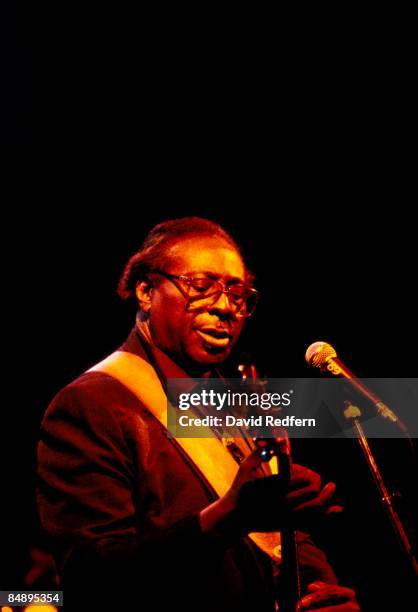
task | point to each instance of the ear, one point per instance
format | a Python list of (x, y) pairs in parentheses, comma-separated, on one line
[(143, 291)]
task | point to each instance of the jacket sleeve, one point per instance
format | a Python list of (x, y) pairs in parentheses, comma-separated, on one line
[(87, 495)]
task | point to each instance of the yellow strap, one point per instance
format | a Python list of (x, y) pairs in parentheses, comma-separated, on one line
[(207, 453)]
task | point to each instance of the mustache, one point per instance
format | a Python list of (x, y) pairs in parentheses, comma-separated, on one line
[(215, 331)]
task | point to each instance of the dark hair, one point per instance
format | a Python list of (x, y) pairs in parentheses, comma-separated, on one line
[(155, 251)]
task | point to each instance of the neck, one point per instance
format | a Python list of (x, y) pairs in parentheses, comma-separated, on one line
[(142, 325)]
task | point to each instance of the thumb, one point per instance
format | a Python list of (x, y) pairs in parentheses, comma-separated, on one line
[(247, 470), (251, 463)]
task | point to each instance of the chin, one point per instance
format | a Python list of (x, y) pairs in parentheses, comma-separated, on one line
[(205, 357)]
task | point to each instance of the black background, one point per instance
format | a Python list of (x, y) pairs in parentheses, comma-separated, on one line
[(304, 156)]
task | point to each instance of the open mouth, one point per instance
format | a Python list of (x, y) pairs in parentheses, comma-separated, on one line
[(214, 337)]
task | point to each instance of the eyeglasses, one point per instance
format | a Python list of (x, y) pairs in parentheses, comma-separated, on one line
[(203, 291)]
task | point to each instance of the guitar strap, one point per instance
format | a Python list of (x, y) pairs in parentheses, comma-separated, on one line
[(208, 454)]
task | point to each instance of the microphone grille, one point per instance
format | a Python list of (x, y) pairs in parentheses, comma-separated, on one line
[(319, 353)]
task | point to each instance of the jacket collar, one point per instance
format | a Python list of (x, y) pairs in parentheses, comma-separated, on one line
[(139, 344)]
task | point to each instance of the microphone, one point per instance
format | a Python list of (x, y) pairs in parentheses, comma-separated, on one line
[(324, 356)]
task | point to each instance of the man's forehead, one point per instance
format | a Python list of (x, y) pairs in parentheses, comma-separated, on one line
[(209, 254)]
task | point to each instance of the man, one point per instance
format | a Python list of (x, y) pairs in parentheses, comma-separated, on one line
[(133, 518)]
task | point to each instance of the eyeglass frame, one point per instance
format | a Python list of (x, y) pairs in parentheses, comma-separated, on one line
[(224, 289)]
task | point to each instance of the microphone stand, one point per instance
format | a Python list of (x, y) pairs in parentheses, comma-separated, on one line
[(353, 414)]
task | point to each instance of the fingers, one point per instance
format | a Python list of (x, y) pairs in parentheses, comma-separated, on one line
[(344, 607), (303, 494), (334, 510), (304, 484), (322, 596), (326, 494), (320, 500), (251, 463), (248, 470), (314, 586), (301, 476)]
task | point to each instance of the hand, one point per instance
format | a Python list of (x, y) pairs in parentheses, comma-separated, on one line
[(306, 499), (256, 502), (324, 597)]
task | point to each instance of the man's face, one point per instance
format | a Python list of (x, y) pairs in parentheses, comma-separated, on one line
[(203, 336)]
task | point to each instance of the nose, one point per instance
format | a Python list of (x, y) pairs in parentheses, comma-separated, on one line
[(222, 305)]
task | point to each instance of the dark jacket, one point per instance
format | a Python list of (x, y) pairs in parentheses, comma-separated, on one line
[(119, 501)]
